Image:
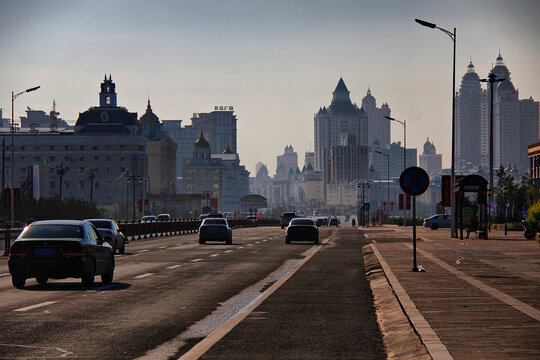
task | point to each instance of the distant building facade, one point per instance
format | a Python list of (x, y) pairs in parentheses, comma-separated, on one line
[(429, 160)]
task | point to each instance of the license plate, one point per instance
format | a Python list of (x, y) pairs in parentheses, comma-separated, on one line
[(301, 229), (45, 252)]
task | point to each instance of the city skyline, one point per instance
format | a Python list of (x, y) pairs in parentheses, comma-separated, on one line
[(275, 63)]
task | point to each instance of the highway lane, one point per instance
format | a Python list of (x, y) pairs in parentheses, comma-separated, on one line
[(162, 287)]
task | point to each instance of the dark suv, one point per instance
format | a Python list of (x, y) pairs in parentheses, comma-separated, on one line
[(286, 218)]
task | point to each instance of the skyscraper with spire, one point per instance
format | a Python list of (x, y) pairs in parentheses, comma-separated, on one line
[(341, 118), (470, 116)]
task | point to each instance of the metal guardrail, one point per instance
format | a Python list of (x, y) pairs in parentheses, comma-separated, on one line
[(149, 230)]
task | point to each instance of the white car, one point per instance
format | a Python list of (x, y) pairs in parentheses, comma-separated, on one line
[(438, 221)]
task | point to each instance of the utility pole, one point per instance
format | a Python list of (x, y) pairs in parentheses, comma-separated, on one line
[(3, 163), (60, 172)]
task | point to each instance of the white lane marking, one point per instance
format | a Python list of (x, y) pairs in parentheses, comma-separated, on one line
[(265, 240), (515, 303), (143, 275), (162, 247), (65, 353), (4, 274), (35, 306), (207, 342), (429, 337), (173, 266), (145, 250), (241, 247), (257, 242), (228, 251), (249, 245), (195, 260), (214, 255)]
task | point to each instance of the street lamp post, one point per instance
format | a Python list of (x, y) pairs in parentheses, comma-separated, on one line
[(364, 184), (404, 123), (492, 79), (452, 35), (504, 191), (12, 191), (127, 195)]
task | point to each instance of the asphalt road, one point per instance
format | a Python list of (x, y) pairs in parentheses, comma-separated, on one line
[(170, 293)]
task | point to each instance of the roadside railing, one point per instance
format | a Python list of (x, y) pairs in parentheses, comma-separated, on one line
[(147, 230)]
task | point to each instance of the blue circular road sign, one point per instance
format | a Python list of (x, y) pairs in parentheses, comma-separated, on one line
[(414, 180)]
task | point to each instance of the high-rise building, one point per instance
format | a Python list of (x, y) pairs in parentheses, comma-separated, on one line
[(378, 125), (469, 117), (288, 161), (218, 127), (515, 122), (340, 118), (430, 160)]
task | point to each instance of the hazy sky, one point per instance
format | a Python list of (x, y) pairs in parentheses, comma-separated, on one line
[(275, 61)]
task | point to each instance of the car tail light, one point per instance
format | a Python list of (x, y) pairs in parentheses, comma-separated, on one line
[(203, 228), (17, 250), (74, 250)]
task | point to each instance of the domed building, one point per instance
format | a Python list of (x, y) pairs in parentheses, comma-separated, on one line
[(429, 160), (160, 155)]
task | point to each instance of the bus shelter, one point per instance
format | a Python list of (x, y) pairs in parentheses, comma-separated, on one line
[(472, 213)]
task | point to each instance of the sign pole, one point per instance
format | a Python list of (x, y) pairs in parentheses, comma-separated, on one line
[(415, 267)]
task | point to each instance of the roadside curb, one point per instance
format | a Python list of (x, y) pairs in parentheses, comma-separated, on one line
[(399, 336)]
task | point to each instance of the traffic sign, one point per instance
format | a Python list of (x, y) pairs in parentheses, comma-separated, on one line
[(414, 180), (366, 206)]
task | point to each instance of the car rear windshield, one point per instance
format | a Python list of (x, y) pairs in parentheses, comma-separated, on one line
[(52, 231), (302, 222), (289, 214), (101, 224), (214, 222)]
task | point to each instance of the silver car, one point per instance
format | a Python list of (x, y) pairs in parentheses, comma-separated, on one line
[(438, 221)]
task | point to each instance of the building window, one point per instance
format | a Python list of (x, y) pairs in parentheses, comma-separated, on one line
[(51, 147), (81, 158), (81, 184), (23, 170), (52, 184), (109, 170), (66, 147), (51, 158), (122, 147), (81, 170), (122, 158), (66, 158), (96, 184), (96, 158), (109, 158), (66, 184), (108, 100), (22, 158), (37, 158), (94, 148)]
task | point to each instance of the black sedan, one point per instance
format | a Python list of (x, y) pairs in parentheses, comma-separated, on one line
[(60, 249), (302, 229), (215, 229), (110, 231)]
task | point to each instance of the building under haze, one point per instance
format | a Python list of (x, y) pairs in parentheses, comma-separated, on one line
[(470, 120), (342, 117), (429, 160), (515, 122)]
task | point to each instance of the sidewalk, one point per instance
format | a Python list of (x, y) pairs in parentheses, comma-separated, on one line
[(478, 299)]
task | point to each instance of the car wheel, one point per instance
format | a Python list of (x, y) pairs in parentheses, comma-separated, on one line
[(316, 240), (18, 281), (434, 226), (287, 240), (107, 278), (202, 242), (229, 241), (122, 250), (282, 226), (88, 278), (42, 280)]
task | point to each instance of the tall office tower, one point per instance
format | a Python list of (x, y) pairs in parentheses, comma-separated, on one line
[(469, 120), (341, 117), (218, 127), (429, 159), (309, 159), (345, 162), (529, 127), (378, 125), (506, 130)]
